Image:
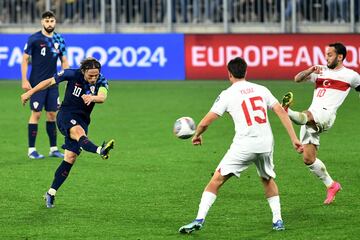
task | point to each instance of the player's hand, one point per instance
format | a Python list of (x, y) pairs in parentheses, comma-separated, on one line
[(196, 140), (25, 85), (317, 69), (24, 98), (87, 98), (298, 146)]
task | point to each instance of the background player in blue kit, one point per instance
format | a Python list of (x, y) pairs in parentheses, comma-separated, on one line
[(85, 87), (43, 49)]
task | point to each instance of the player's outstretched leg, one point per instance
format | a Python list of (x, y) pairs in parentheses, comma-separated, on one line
[(331, 192), (105, 149), (287, 100), (102, 150), (197, 224)]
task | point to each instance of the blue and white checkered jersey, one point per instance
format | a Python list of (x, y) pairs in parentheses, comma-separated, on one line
[(45, 52)]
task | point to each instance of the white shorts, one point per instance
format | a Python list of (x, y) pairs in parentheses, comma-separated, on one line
[(323, 118), (235, 162), (309, 136)]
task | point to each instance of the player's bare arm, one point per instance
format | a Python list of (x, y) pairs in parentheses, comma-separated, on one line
[(41, 86), (25, 84), (202, 127), (305, 75), (99, 98), (64, 62), (286, 122)]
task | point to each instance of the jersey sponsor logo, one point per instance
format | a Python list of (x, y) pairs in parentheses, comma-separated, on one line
[(35, 105), (60, 73), (73, 121), (332, 84)]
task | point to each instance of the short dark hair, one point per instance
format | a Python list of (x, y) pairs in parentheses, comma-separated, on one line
[(90, 63), (48, 14), (339, 49), (237, 67)]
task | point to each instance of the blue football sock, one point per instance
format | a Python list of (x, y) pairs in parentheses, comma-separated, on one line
[(51, 131), (32, 133), (61, 174), (87, 145)]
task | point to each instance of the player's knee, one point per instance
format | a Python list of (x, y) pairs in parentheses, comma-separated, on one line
[(77, 132), (35, 116), (51, 116), (70, 157), (308, 160)]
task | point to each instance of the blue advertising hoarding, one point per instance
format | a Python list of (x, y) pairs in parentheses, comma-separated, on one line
[(123, 56)]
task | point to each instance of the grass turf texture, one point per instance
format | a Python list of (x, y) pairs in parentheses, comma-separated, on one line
[(152, 182)]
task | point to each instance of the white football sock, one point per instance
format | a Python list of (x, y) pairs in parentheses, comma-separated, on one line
[(52, 149), (52, 192), (31, 149), (318, 168), (274, 203), (207, 200), (98, 150), (298, 118)]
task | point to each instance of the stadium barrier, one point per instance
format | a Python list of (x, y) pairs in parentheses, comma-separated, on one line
[(184, 16), (193, 56)]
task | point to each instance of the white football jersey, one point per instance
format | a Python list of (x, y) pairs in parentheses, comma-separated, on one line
[(332, 87), (247, 103)]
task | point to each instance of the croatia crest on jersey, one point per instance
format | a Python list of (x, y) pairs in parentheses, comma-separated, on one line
[(92, 89)]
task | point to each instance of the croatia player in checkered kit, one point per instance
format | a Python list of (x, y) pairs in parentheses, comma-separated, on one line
[(253, 143), (332, 84), (85, 88), (42, 50)]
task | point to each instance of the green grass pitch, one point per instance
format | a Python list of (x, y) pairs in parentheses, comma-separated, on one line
[(152, 182)]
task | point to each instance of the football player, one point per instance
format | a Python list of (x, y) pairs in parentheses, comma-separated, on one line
[(42, 50), (86, 86), (332, 84)]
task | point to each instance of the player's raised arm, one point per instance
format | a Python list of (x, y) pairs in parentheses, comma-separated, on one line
[(41, 86), (284, 118), (305, 75)]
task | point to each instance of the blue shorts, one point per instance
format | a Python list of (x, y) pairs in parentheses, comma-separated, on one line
[(65, 121), (48, 98)]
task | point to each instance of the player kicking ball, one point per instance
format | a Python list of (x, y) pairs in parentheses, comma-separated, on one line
[(332, 84), (86, 86)]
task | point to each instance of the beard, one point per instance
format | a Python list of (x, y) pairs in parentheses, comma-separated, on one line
[(49, 29), (333, 64)]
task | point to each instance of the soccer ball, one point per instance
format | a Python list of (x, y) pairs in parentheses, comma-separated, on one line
[(184, 127)]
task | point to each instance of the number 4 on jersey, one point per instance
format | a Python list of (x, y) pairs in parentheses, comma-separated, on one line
[(43, 51), (257, 110)]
